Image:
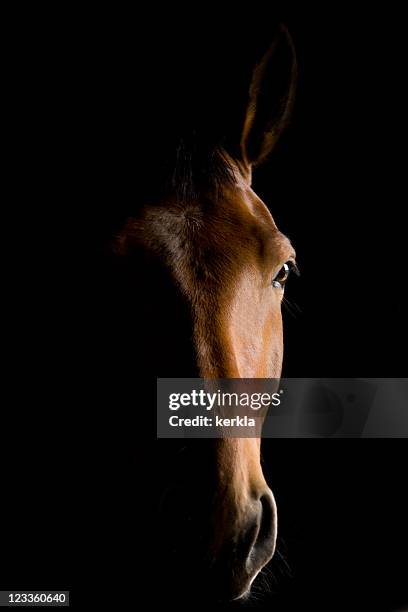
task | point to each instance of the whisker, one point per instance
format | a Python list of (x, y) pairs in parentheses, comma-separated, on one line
[(290, 307), (285, 564)]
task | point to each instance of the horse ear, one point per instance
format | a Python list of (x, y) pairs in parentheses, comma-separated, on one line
[(271, 96)]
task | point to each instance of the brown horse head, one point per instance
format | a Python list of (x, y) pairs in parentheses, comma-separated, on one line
[(220, 264)]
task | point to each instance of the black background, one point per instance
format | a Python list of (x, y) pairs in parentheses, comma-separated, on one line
[(73, 513)]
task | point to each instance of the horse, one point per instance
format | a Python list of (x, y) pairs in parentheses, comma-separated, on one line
[(207, 266)]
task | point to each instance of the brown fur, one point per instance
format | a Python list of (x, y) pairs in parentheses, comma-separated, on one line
[(223, 254)]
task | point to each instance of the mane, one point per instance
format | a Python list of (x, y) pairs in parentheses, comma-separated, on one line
[(178, 106), (192, 119), (175, 133), (197, 167)]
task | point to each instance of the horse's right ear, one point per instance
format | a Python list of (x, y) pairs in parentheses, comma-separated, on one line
[(271, 96)]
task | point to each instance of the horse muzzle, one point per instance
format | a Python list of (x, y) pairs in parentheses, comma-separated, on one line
[(248, 549)]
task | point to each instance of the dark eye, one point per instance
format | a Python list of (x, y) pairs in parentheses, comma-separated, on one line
[(282, 276)]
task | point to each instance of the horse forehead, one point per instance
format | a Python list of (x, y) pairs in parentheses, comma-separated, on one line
[(242, 219), (237, 219), (248, 216), (244, 204)]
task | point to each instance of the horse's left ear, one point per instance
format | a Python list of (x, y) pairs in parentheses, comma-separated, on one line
[(271, 96)]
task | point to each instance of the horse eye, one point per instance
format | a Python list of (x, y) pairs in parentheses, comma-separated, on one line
[(282, 276)]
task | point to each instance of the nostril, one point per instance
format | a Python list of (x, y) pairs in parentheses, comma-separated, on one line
[(264, 545), (254, 543), (267, 522)]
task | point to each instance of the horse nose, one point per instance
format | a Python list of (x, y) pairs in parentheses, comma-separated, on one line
[(255, 544), (260, 539)]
